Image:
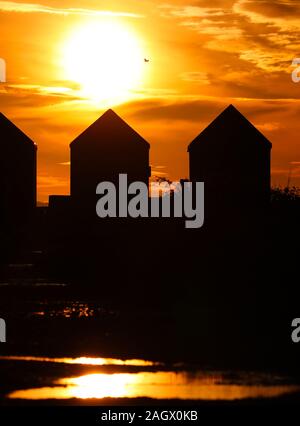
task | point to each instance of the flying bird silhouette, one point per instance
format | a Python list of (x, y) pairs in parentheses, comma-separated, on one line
[(146, 60)]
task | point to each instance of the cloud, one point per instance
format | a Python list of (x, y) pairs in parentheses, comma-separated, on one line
[(195, 76), (286, 174), (155, 173), (268, 60), (40, 89), (283, 14), (48, 181), (270, 127), (190, 11), (270, 9), (220, 32), (36, 95), (188, 109), (157, 170), (263, 33), (9, 6), (267, 115)]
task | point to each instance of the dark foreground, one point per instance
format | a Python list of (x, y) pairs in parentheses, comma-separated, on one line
[(216, 304)]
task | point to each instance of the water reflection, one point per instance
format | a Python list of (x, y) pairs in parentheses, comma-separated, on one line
[(83, 361), (70, 310), (158, 385)]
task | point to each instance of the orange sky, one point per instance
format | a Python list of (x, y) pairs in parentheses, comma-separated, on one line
[(203, 55)]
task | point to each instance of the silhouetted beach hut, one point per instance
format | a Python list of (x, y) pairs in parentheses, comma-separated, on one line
[(232, 158), (104, 150), (17, 173)]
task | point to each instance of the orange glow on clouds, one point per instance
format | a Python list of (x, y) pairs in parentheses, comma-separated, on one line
[(78, 58)]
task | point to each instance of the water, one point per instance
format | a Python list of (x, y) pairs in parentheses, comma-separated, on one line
[(48, 318), (81, 361), (115, 378)]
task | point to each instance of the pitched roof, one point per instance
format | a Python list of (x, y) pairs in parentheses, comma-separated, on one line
[(9, 130), (109, 124), (226, 123)]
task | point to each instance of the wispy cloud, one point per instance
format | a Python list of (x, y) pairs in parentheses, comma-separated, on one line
[(195, 76), (268, 60), (263, 33), (42, 90), (216, 29), (282, 14), (191, 11), (10, 6), (42, 94), (269, 127), (46, 181)]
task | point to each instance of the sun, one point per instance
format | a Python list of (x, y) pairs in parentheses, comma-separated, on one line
[(106, 60)]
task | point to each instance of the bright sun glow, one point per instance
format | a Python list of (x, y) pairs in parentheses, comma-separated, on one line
[(106, 60)]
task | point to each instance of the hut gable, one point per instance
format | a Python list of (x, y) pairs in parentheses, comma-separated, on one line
[(10, 134), (17, 173), (108, 129), (232, 158), (230, 128), (104, 150)]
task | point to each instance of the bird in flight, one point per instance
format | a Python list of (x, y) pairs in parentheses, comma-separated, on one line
[(146, 60)]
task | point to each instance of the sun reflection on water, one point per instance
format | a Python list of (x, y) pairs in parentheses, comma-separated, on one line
[(158, 385)]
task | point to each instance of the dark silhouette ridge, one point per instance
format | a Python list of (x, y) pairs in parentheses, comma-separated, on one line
[(232, 158), (104, 150), (17, 174)]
